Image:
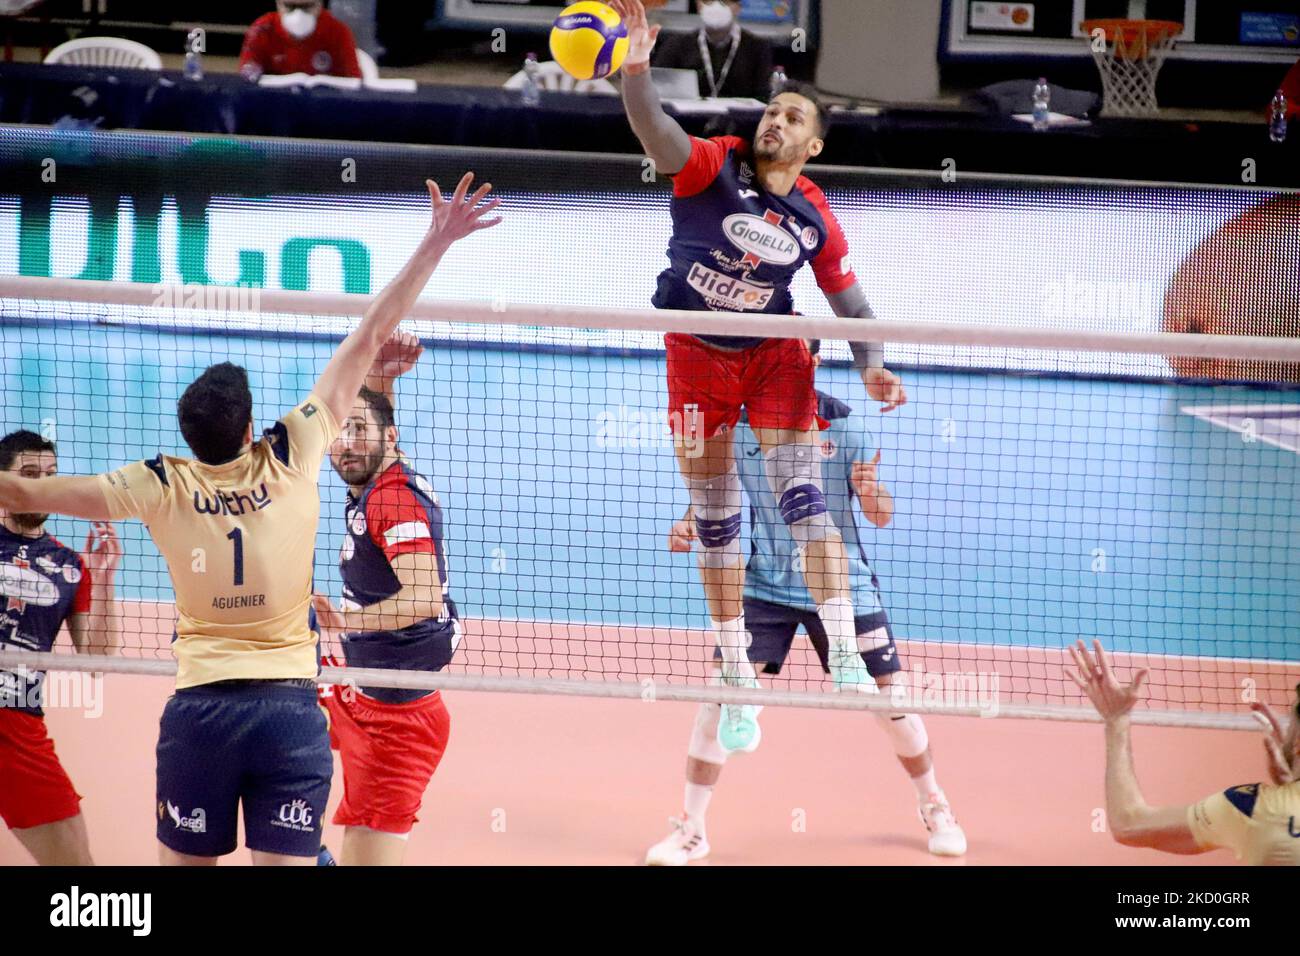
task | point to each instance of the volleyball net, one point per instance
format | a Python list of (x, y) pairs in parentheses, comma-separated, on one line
[(1048, 484)]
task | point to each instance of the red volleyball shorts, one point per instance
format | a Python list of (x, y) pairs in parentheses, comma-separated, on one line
[(708, 386), (34, 787), (389, 753)]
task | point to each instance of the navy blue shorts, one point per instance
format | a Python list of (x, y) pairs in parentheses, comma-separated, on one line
[(265, 744), (772, 628)]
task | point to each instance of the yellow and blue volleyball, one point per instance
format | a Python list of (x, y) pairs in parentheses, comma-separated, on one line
[(589, 40)]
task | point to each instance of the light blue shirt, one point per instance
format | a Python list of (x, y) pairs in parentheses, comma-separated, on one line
[(774, 571)]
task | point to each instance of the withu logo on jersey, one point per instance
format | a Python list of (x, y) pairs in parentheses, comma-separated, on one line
[(232, 502)]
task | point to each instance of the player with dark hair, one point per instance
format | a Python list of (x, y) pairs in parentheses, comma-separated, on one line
[(1259, 822), (237, 526), (46, 585), (777, 605), (745, 220), (396, 614)]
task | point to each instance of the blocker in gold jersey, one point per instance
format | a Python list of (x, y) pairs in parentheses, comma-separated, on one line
[(239, 539)]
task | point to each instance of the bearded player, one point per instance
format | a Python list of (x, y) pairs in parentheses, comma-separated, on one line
[(46, 585), (745, 220), (396, 614), (237, 526)]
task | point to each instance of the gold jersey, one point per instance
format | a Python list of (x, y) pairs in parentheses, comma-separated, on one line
[(239, 540), (1260, 822)]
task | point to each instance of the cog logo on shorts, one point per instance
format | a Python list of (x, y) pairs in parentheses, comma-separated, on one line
[(829, 448)]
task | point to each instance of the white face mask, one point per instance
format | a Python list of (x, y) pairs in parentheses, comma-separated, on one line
[(299, 24), (716, 16)]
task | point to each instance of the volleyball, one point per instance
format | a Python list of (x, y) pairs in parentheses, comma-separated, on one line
[(589, 40)]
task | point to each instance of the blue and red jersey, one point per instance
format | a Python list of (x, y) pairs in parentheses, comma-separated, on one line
[(398, 513), (736, 247), (42, 583)]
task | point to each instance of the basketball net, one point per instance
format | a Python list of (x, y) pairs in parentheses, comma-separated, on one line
[(1129, 55)]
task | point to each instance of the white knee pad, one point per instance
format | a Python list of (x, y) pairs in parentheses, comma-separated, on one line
[(794, 473), (717, 502), (906, 732), (704, 735)]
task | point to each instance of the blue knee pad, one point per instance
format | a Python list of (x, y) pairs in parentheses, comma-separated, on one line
[(795, 476), (716, 502)]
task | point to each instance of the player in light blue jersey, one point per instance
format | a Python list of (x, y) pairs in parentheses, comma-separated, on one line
[(777, 602)]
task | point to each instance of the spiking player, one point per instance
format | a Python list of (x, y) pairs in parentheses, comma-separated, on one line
[(237, 526), (397, 614), (777, 603), (46, 585), (745, 220)]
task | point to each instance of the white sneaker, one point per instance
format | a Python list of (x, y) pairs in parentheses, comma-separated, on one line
[(680, 847), (946, 837)]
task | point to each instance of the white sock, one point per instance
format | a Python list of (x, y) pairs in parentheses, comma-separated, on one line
[(733, 641), (837, 617), (697, 804), (926, 785)]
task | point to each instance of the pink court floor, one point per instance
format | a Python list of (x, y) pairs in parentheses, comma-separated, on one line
[(550, 780)]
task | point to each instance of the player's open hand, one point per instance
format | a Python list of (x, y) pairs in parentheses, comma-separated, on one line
[(103, 550), (640, 35), (886, 387), (1093, 675), (682, 537), (461, 216), (1279, 766), (328, 617), (396, 357), (864, 477)]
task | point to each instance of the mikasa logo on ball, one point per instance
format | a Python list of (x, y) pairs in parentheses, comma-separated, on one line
[(766, 240)]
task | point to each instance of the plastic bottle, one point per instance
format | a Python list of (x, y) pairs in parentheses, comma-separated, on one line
[(194, 55), (777, 83), (1042, 105), (1277, 118), (532, 90)]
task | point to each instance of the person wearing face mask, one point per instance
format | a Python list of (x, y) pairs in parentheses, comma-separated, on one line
[(730, 61), (301, 36)]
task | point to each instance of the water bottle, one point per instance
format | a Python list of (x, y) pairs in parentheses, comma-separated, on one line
[(1042, 104), (194, 55), (1277, 118), (777, 83), (532, 92)]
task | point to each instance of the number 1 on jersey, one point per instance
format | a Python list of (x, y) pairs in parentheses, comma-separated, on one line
[(237, 536)]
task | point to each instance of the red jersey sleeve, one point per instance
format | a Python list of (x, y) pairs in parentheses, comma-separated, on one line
[(707, 157), (257, 42), (831, 267), (81, 600), (397, 522)]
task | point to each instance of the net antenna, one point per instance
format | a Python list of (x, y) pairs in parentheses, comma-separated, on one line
[(1129, 55)]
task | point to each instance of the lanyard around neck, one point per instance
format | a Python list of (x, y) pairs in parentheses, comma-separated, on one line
[(707, 57)]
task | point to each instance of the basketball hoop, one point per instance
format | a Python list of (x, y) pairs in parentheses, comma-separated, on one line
[(1129, 61)]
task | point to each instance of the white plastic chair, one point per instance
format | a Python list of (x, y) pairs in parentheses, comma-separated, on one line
[(553, 77), (369, 68), (105, 51)]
